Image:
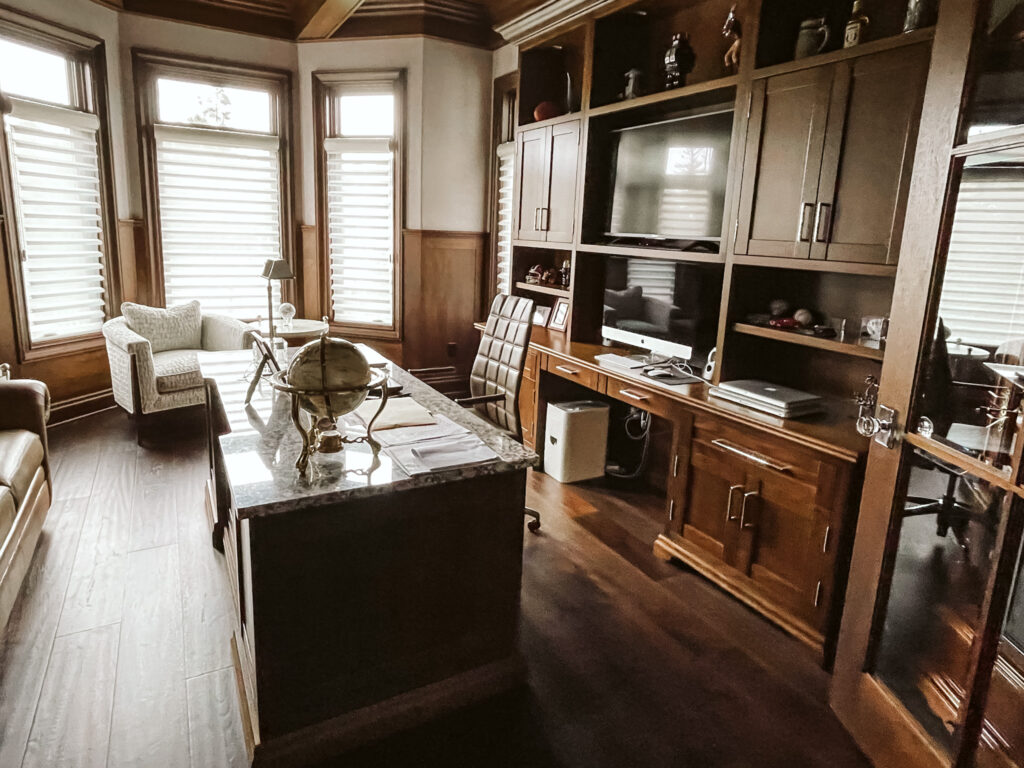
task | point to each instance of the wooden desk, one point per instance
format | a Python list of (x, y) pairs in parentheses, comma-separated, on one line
[(366, 599), (762, 506)]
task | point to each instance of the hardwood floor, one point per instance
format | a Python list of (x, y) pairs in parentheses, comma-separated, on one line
[(117, 651)]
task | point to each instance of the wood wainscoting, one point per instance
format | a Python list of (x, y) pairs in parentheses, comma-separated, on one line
[(443, 289)]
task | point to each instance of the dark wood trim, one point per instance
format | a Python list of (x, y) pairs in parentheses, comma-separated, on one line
[(149, 64), (323, 82), (84, 405), (220, 17)]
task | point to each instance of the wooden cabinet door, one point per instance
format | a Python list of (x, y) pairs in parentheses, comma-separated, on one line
[(532, 182), (559, 215), (782, 164), (709, 515), (872, 131), (780, 547)]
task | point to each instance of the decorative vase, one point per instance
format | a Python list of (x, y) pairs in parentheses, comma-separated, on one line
[(920, 13)]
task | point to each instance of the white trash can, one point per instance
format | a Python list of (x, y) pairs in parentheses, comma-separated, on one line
[(576, 440)]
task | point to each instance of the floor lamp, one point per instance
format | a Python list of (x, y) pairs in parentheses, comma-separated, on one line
[(273, 269)]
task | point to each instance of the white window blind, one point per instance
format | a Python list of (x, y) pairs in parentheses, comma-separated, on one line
[(656, 278), (983, 291), (506, 170), (220, 217), (54, 159), (361, 211)]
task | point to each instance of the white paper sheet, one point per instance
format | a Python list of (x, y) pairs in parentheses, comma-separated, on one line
[(442, 453)]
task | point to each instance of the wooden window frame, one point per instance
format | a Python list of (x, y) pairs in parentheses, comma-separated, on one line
[(149, 65), (504, 108), (87, 63), (324, 83)]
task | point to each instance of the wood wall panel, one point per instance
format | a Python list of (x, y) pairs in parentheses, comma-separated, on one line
[(443, 285)]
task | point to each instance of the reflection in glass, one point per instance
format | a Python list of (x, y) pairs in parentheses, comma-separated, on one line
[(971, 387), (946, 543), (996, 103), (215, 106), (1002, 736), (34, 74)]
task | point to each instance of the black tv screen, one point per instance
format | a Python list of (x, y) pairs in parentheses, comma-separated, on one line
[(669, 181)]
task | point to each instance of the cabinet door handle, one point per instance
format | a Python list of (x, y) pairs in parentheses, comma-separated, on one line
[(536, 220), (743, 509), (762, 461), (729, 516), (545, 219), (675, 466), (634, 395), (823, 223), (804, 229), (671, 509), (567, 369)]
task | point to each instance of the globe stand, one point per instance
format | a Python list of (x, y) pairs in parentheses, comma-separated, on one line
[(317, 439)]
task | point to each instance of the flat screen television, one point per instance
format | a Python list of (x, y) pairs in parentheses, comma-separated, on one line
[(667, 307), (668, 186)]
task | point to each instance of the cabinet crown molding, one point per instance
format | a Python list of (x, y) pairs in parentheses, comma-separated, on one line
[(545, 17)]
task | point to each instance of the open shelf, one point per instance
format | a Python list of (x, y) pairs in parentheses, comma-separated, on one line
[(853, 348), (663, 96), (817, 265), (548, 290), (653, 253)]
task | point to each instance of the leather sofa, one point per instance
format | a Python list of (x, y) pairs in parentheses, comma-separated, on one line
[(25, 483)]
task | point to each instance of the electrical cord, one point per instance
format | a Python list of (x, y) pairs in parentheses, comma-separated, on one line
[(641, 418)]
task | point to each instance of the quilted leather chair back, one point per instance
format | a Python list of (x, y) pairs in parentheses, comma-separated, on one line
[(498, 366)]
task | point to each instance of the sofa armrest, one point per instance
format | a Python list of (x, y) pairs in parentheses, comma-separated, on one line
[(25, 404), (118, 334), (221, 333)]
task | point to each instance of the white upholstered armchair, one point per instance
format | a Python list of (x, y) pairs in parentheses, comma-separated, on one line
[(152, 354)]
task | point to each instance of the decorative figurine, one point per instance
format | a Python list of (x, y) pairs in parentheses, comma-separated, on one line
[(565, 273), (785, 323), (634, 84), (534, 274), (857, 26), (732, 28), (920, 13), (551, 277), (287, 312), (804, 316), (779, 307), (679, 61)]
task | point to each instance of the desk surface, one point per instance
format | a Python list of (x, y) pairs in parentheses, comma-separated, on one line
[(261, 448), (833, 431)]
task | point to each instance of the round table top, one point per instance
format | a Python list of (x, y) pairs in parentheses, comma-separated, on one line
[(959, 349), (297, 329)]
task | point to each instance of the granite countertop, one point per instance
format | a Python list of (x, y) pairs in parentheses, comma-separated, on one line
[(261, 449)]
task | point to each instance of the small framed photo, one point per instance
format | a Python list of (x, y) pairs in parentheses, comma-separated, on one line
[(560, 316), (541, 315)]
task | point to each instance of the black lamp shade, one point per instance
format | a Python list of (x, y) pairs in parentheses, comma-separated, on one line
[(277, 269)]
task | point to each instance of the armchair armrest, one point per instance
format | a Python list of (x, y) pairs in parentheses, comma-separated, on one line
[(660, 313), (221, 332), (468, 402), (118, 334), (25, 404)]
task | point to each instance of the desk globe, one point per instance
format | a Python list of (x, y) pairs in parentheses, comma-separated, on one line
[(327, 378)]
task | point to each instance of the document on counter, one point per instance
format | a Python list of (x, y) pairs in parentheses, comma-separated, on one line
[(442, 453), (444, 427), (400, 412)]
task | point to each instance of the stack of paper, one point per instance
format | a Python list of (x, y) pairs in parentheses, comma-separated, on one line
[(444, 427), (442, 453), (399, 412)]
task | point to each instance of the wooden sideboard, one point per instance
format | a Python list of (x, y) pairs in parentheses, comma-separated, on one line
[(763, 507)]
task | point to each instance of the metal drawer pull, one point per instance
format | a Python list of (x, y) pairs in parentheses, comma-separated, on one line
[(536, 220), (743, 509), (751, 456), (729, 516), (566, 369), (634, 395), (804, 233), (817, 595), (671, 509), (675, 466), (823, 223)]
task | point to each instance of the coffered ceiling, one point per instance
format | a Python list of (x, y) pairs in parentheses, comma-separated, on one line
[(464, 20)]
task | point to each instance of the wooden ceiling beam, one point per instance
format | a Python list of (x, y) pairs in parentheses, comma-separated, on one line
[(319, 19)]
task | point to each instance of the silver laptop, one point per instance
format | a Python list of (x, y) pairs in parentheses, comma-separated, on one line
[(775, 395)]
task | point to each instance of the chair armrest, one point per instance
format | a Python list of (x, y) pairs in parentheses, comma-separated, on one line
[(660, 313), (25, 404), (221, 333), (118, 334), (441, 369), (468, 402)]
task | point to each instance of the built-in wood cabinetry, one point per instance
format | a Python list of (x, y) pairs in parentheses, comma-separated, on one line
[(827, 159), (547, 159)]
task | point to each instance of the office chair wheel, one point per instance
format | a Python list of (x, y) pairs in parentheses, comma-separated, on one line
[(534, 525)]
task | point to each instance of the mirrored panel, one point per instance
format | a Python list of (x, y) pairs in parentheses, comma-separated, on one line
[(1002, 737), (996, 103), (946, 546), (973, 376)]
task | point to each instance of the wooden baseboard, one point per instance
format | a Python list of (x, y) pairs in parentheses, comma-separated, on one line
[(319, 742), (83, 405)]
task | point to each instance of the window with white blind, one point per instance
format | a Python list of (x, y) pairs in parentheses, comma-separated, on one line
[(506, 159), (361, 152), (982, 300), (218, 204), (54, 171)]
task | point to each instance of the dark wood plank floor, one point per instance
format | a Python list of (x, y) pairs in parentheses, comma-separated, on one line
[(117, 651)]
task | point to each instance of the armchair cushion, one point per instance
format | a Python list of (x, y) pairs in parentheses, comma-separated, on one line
[(175, 328), (176, 370), (25, 404), (21, 455), (8, 511), (628, 303)]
